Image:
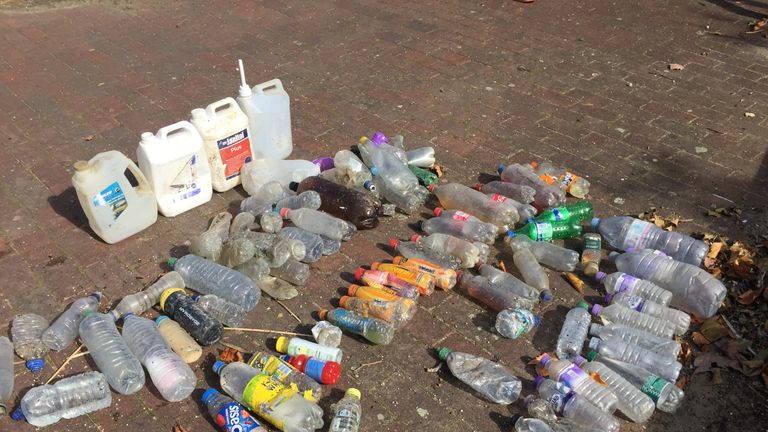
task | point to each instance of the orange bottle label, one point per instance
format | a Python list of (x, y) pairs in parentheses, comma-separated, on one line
[(444, 278), (423, 281), (376, 293)]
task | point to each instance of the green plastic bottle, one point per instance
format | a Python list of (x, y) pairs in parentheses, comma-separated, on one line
[(577, 212), (425, 177), (547, 231)]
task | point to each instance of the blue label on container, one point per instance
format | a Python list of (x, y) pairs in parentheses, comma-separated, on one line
[(113, 197), (348, 321), (234, 418)]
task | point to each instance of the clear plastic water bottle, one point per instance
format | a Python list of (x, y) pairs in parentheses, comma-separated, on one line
[(524, 211), (178, 339), (492, 380), (227, 313), (169, 373), (581, 383), (64, 330), (631, 335), (111, 354), (407, 201), (207, 277), (327, 334), (566, 180), (443, 244), (573, 333), (520, 193), (547, 254), (574, 407), (68, 398), (463, 216), (694, 290), (352, 167), (467, 230), (347, 413), (265, 197), (540, 409), (390, 168), (618, 314), (546, 195), (292, 271), (497, 296), (456, 196), (532, 272), (6, 373), (633, 403), (375, 330), (255, 269), (619, 282), (313, 243), (512, 284), (320, 223), (142, 301), (412, 250), (270, 222), (208, 243), (680, 319), (512, 323), (284, 373), (26, 333), (204, 328), (229, 415), (307, 199), (625, 233), (523, 424), (665, 367)]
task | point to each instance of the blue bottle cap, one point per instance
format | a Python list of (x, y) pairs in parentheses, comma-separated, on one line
[(18, 414), (160, 319), (595, 222), (369, 185), (208, 395), (218, 366), (511, 233), (374, 170), (195, 297), (536, 320), (500, 168), (546, 296), (35, 365), (530, 220)]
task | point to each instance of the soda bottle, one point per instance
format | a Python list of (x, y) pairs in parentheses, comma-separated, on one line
[(360, 208), (326, 334), (208, 244), (665, 367), (26, 333), (68, 398), (581, 383), (459, 197), (496, 296), (425, 177), (547, 254), (568, 181), (631, 335), (467, 252), (512, 323), (396, 312), (307, 199), (621, 282), (378, 279), (680, 319), (347, 413), (633, 403), (178, 340), (548, 231), (225, 312), (574, 407), (577, 212), (532, 272), (313, 244), (229, 415), (573, 333), (295, 346), (517, 192), (382, 293), (324, 372), (205, 329), (320, 223), (619, 314), (467, 230), (375, 330), (424, 281), (591, 254), (413, 250), (445, 278), (142, 301), (6, 373), (512, 284), (207, 277), (492, 380), (546, 195), (458, 215), (287, 375), (64, 330)]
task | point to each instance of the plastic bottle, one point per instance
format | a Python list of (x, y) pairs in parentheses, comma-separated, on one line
[(665, 367), (324, 372), (307, 199), (467, 252), (264, 197), (282, 406), (178, 339), (68, 398), (665, 394), (679, 319), (229, 415), (548, 231), (270, 222), (6, 373), (292, 271), (375, 330), (380, 279), (566, 180), (581, 383), (512, 323), (574, 407), (520, 193), (407, 201), (694, 290), (207, 277), (423, 157), (26, 333), (208, 244), (287, 375), (423, 280), (392, 170), (459, 197), (331, 246), (396, 312), (642, 339), (169, 373), (205, 329), (227, 313), (619, 314), (111, 354), (360, 208), (546, 195), (633, 403), (295, 346), (116, 207), (459, 216), (576, 212), (255, 269), (497, 296), (326, 334), (445, 278), (547, 254), (64, 330), (523, 424), (425, 177), (540, 409), (467, 230), (347, 413), (277, 288), (413, 250), (626, 232), (513, 284), (492, 380), (619, 282), (573, 333), (381, 293), (524, 211), (142, 301), (313, 244), (352, 167), (533, 274), (259, 172), (320, 223), (591, 253)]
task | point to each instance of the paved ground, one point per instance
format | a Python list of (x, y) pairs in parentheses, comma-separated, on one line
[(584, 83)]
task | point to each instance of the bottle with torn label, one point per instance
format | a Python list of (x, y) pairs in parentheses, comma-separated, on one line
[(512, 323), (492, 380), (680, 319), (546, 253), (64, 330), (27, 333), (546, 195), (520, 193), (142, 301), (581, 383), (573, 333), (633, 403), (459, 197), (619, 282), (665, 367), (631, 335), (618, 314), (496, 296)]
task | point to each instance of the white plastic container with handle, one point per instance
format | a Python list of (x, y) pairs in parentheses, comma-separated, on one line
[(176, 166)]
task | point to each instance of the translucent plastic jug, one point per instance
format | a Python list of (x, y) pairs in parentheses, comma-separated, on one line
[(226, 139), (268, 108), (115, 196), (175, 165), (259, 172)]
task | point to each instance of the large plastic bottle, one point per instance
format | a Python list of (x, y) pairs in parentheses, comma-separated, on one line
[(375, 330), (574, 407), (665, 367), (207, 277), (320, 223), (512, 323), (680, 319), (385, 164), (546, 195), (467, 252), (205, 329), (407, 201), (463, 216), (382, 292), (573, 333), (633, 403), (142, 301), (626, 232), (296, 346), (548, 231), (111, 354), (492, 380), (496, 296), (581, 383), (513, 284), (459, 197), (6, 373), (226, 140), (360, 208), (547, 254), (227, 313), (229, 415), (517, 192), (619, 282), (268, 108), (169, 373), (347, 413), (176, 166), (26, 333), (576, 212), (396, 312), (117, 206), (694, 290), (259, 172), (619, 314), (532, 272), (468, 230), (64, 330), (380, 279), (282, 406), (445, 278), (324, 372), (178, 339), (287, 375), (524, 211), (566, 180), (412, 250), (631, 335), (68, 398)]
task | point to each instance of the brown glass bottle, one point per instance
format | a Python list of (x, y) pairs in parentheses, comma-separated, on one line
[(358, 207)]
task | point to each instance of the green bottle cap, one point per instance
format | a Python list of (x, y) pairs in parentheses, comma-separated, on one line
[(172, 261), (583, 304), (591, 356), (443, 352)]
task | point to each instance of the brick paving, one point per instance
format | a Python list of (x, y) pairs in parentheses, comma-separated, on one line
[(582, 83)]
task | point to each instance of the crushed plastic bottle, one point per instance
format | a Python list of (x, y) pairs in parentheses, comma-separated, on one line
[(665, 367), (391, 169), (514, 285), (178, 339), (6, 373), (313, 243), (227, 313), (496, 296), (512, 323), (573, 333), (207, 277), (26, 333), (546, 195), (547, 254), (631, 335), (292, 271), (324, 372), (576, 212), (532, 272), (327, 334), (540, 409), (229, 415), (463, 216), (520, 193), (581, 383), (205, 329), (459, 197), (566, 180), (360, 208), (412, 250), (375, 330), (68, 398), (382, 292), (307, 199), (467, 252), (320, 223), (424, 281), (265, 197), (445, 278), (548, 231), (591, 253), (619, 282), (492, 380), (287, 375), (523, 424), (352, 168), (633, 403), (574, 407), (208, 244), (296, 346), (396, 312), (468, 230), (64, 330), (380, 279), (347, 413), (618, 314), (255, 269), (142, 301), (680, 319)]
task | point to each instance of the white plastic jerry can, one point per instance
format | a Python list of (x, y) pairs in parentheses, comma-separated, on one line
[(226, 140), (175, 165), (115, 196), (268, 108)]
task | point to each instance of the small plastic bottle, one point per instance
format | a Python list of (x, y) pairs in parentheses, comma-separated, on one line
[(327, 334), (574, 407), (421, 157), (347, 413), (577, 212), (320, 223), (423, 280), (468, 230), (524, 211), (445, 278), (207, 277), (6, 373), (324, 372), (381, 293), (26, 333), (205, 329), (229, 415), (540, 409), (513, 284), (396, 312), (425, 177), (284, 373), (680, 319), (546, 195), (496, 296), (631, 335), (619, 282), (313, 243), (619, 314), (517, 192), (591, 253), (665, 367), (307, 199), (225, 312), (68, 398), (548, 231), (208, 243), (523, 424), (581, 383), (142, 301), (296, 346), (466, 252), (64, 330), (532, 272), (178, 339), (573, 333), (547, 254), (375, 330), (459, 197), (293, 271), (512, 323), (413, 250), (634, 404), (407, 201), (492, 380), (380, 279)]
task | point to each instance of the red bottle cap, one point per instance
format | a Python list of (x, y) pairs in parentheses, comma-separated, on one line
[(432, 187), (437, 212), (479, 186), (299, 361), (284, 212), (331, 373), (359, 273), (415, 237), (393, 243)]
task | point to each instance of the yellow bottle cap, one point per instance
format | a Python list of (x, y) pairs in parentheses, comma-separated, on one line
[(353, 392), (167, 293), (282, 344)]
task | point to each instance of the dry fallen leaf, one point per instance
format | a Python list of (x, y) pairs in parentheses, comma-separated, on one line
[(713, 329), (758, 26), (88, 138), (685, 352), (676, 66), (748, 297), (749, 114), (575, 282), (682, 382), (179, 428), (230, 355), (717, 376), (438, 170), (699, 339)]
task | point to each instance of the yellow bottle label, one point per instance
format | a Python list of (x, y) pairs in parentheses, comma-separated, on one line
[(425, 282), (263, 394)]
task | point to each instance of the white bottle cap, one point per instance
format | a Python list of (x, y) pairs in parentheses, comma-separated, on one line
[(594, 343)]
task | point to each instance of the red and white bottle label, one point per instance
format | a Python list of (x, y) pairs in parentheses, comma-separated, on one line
[(234, 150)]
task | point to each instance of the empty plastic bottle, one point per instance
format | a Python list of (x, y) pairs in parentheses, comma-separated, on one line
[(178, 339), (208, 244), (492, 380), (680, 319), (457, 215), (412, 250), (169, 373), (292, 271), (467, 252), (591, 253), (258, 172), (633, 403), (242, 223), (424, 281), (227, 313), (524, 211), (111, 354), (574, 407), (665, 367), (207, 277), (352, 167), (547, 254), (581, 383), (546, 195), (512, 284), (532, 272), (375, 330), (496, 296), (407, 201), (540, 409), (619, 314), (468, 230), (324, 372), (307, 199), (229, 415), (360, 208), (142, 301), (320, 223), (576, 212), (380, 279), (6, 373), (425, 177), (396, 312), (390, 168), (619, 282), (548, 231), (296, 346), (282, 406), (382, 292), (270, 222), (298, 250), (205, 329), (326, 334), (64, 330), (512, 323), (347, 413), (421, 157), (264, 198), (26, 333), (566, 180), (313, 243), (631, 335), (255, 269), (573, 333), (330, 246), (287, 375), (445, 278), (520, 193), (694, 290), (459, 197), (68, 398), (665, 394)]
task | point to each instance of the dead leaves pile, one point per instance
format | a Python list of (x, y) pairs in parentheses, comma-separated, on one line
[(230, 355), (736, 260), (662, 222), (718, 212)]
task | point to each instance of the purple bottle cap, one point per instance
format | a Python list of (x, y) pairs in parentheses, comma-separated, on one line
[(545, 359), (379, 138), (596, 309), (538, 380), (600, 276), (324, 163), (579, 360), (18, 414), (607, 298), (630, 249)]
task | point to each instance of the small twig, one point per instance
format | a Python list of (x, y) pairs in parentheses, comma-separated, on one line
[(289, 311), (252, 330), (661, 75), (723, 198), (716, 131), (355, 369), (66, 362), (435, 369)]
